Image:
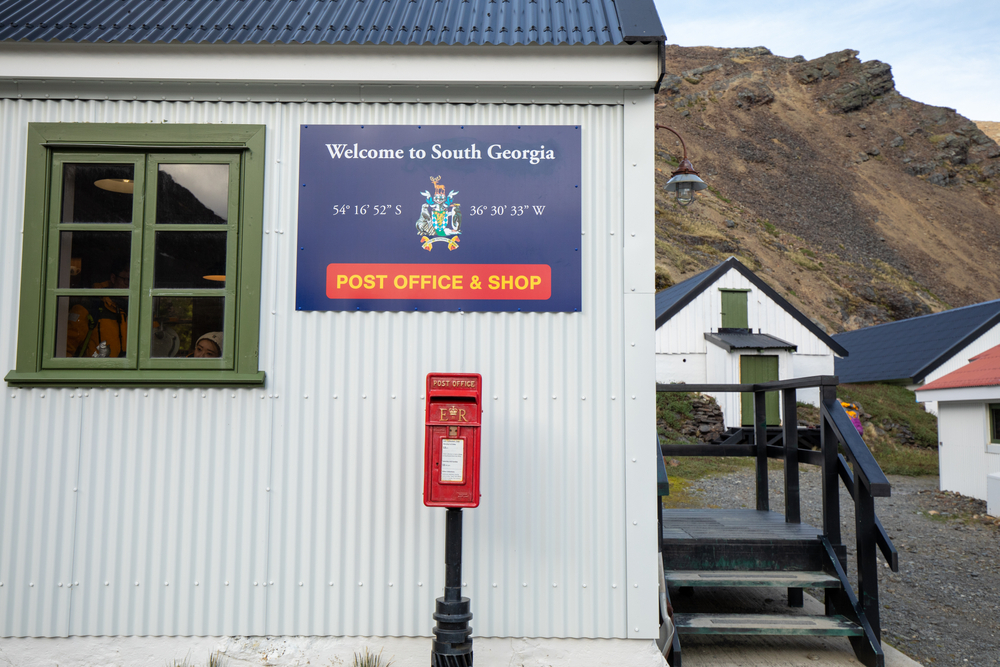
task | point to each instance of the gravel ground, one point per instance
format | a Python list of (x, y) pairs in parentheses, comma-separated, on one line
[(943, 606)]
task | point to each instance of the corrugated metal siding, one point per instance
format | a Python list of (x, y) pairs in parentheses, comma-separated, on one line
[(306, 497), (315, 21)]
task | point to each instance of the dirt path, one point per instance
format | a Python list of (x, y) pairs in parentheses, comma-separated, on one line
[(943, 607)]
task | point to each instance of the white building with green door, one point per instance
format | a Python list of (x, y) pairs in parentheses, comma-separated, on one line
[(727, 326)]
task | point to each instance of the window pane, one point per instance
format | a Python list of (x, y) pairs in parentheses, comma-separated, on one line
[(192, 194), (94, 259), (83, 323), (97, 192), (186, 260), (995, 422), (187, 326)]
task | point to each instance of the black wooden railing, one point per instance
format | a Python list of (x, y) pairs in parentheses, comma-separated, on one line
[(859, 472)]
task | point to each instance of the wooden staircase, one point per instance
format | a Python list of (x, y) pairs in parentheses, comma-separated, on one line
[(727, 550)]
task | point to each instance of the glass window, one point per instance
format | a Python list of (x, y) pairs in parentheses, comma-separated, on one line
[(141, 250), (994, 415)]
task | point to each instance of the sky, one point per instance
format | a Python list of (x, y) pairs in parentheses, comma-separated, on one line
[(942, 52)]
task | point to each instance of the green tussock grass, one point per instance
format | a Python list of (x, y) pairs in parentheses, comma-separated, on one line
[(672, 409), (367, 659), (896, 459), (214, 660), (895, 403)]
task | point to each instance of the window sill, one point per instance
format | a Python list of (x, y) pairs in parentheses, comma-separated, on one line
[(117, 378), (993, 448)]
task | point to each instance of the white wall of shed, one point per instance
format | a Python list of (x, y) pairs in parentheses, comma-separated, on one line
[(689, 368), (963, 457), (296, 509), (808, 365)]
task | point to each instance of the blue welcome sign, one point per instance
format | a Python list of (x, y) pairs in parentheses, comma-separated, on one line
[(439, 218)]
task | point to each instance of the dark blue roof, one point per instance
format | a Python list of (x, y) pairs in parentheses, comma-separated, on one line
[(332, 21), (671, 300), (907, 350)]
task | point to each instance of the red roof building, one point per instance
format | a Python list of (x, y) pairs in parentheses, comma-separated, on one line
[(969, 427)]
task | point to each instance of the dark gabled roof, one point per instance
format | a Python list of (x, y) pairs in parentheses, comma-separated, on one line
[(671, 300), (332, 21), (744, 340), (907, 350)]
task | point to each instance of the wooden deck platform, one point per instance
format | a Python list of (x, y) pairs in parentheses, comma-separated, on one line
[(711, 539), (732, 525)]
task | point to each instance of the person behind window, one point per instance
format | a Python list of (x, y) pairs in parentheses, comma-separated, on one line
[(101, 320), (209, 345)]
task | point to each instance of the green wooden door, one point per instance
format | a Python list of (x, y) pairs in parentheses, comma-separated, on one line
[(754, 369), (734, 309)]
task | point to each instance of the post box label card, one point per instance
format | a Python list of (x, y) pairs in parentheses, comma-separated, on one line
[(453, 460)]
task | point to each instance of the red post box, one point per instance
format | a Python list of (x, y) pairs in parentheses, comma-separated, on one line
[(451, 439)]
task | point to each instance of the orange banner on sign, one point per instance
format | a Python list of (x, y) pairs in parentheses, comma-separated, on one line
[(438, 281)]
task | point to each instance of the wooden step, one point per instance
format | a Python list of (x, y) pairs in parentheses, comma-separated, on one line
[(764, 624), (738, 540), (755, 578)]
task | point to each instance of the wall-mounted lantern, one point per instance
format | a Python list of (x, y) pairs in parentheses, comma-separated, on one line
[(684, 182)]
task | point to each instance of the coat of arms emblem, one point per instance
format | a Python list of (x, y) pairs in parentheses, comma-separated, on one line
[(440, 217)]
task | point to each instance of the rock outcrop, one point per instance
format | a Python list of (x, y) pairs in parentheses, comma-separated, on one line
[(856, 203)]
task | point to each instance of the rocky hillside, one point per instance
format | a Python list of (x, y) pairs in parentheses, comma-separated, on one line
[(857, 204)]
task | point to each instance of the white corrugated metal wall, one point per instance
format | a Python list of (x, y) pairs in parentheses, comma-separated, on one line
[(296, 509)]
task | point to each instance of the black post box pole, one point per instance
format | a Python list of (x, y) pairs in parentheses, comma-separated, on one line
[(452, 646)]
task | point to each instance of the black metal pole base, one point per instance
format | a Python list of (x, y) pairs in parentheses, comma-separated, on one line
[(452, 645)]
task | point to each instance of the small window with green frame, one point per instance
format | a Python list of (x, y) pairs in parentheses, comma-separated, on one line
[(141, 255), (993, 413)]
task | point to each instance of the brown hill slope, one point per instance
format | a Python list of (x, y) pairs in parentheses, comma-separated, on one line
[(990, 128), (857, 204)]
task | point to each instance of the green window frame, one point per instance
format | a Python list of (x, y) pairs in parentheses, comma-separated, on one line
[(993, 413), (52, 146)]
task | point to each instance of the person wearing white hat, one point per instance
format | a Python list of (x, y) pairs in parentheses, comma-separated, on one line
[(209, 345)]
